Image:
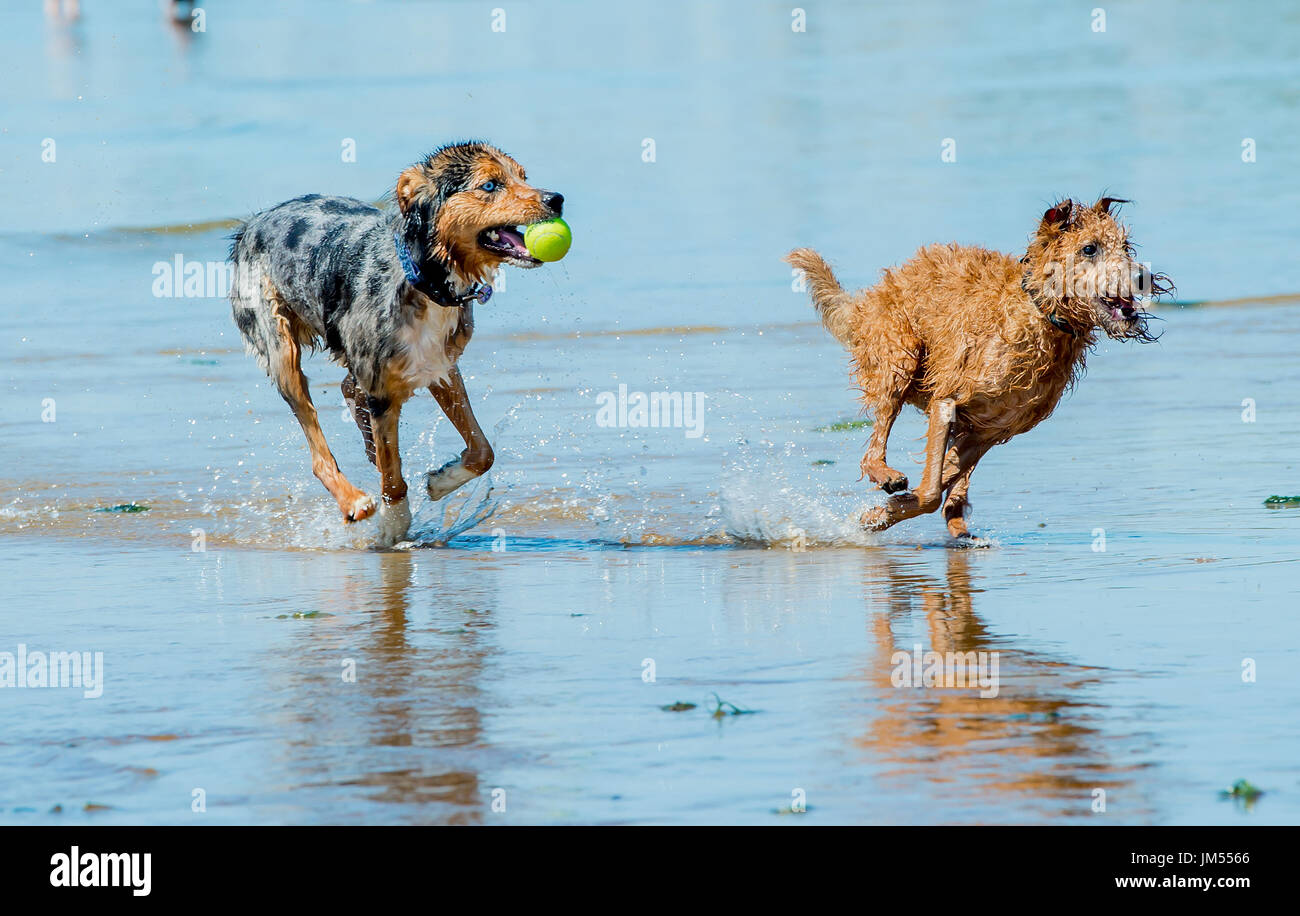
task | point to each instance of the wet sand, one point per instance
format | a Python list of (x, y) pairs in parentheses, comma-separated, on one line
[(521, 667)]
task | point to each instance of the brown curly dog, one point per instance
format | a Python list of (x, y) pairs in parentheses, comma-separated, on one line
[(984, 342)]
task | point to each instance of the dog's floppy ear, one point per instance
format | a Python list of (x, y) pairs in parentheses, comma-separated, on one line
[(1058, 217), (408, 183), (419, 200), (1103, 206)]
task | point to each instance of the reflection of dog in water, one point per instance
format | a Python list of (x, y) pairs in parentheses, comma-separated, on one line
[(984, 342), (1033, 740)]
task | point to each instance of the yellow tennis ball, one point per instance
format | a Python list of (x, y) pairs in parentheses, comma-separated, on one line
[(548, 240)]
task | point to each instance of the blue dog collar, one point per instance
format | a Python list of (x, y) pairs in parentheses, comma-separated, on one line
[(408, 266), (439, 293)]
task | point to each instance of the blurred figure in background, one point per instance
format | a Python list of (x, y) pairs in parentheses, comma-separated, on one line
[(65, 11)]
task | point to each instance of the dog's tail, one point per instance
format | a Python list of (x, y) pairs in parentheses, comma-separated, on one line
[(830, 299)]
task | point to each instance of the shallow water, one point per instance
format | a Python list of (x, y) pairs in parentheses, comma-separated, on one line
[(509, 647)]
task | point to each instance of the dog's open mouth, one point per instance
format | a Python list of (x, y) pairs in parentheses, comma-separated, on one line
[(1122, 318), (507, 242), (1121, 308)]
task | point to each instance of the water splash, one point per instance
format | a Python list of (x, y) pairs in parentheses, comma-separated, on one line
[(774, 495), (457, 515)]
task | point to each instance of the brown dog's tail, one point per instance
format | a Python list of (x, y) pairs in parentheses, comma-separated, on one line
[(828, 297)]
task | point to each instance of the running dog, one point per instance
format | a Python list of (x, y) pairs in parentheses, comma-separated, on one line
[(390, 293), (984, 342)]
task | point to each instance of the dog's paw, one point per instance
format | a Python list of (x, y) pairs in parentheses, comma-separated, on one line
[(876, 519), (968, 541), (895, 484), (451, 476), (394, 521), (362, 506)]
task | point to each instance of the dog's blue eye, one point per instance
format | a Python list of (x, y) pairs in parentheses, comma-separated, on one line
[(489, 186), (1089, 250)]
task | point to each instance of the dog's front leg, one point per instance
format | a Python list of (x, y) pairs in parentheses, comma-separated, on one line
[(926, 498), (394, 510), (477, 456)]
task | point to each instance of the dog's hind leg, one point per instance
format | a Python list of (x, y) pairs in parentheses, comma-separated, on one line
[(960, 463), (395, 513), (954, 507), (285, 368), (357, 404), (477, 456), (926, 498)]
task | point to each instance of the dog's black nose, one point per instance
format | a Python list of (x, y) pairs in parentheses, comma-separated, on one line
[(553, 201), (1142, 281)]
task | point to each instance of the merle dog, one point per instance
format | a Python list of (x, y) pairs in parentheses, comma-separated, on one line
[(390, 293)]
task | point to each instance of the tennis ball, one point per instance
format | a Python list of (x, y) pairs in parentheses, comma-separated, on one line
[(548, 240)]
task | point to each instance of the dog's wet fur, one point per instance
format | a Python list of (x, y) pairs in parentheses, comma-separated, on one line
[(326, 271), (984, 342)]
